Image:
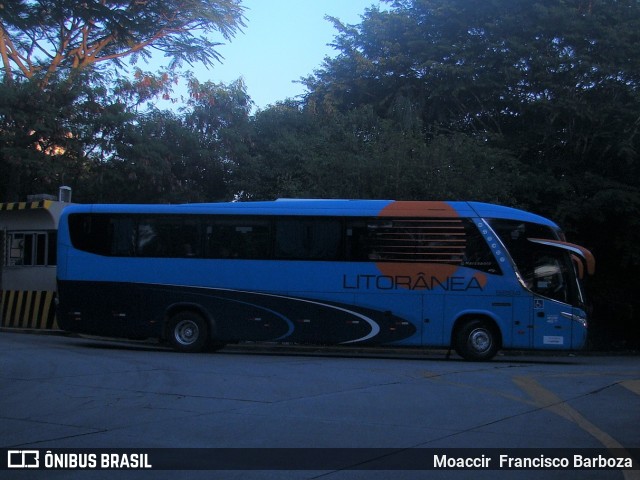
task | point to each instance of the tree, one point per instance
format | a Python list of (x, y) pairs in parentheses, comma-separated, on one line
[(165, 156), (39, 38), (54, 90), (299, 152), (553, 85), (41, 134), (461, 60), (153, 161)]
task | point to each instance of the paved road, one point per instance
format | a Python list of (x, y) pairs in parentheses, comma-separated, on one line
[(68, 392)]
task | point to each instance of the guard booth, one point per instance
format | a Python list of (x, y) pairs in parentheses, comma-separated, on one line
[(28, 242)]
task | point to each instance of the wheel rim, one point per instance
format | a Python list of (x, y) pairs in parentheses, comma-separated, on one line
[(186, 332), (480, 340)]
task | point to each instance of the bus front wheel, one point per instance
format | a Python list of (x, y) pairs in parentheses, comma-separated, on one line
[(188, 332), (476, 340)]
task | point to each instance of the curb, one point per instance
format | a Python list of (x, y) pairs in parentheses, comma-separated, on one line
[(333, 350)]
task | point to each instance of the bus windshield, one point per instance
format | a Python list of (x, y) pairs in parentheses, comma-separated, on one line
[(544, 269)]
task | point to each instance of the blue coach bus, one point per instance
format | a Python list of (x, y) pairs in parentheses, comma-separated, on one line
[(472, 276)]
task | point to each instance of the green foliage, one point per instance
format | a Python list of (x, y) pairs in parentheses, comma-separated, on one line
[(163, 156), (301, 153), (39, 144)]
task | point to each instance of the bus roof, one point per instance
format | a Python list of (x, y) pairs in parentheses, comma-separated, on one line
[(321, 207)]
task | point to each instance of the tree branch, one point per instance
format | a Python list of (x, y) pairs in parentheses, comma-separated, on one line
[(10, 54), (76, 35), (5, 55)]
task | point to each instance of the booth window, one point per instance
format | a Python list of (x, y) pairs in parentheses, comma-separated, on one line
[(31, 248)]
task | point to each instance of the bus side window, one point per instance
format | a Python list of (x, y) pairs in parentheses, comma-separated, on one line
[(417, 240), (95, 233), (477, 253), (148, 243), (356, 244), (169, 237), (188, 239), (122, 237), (308, 238), (242, 238)]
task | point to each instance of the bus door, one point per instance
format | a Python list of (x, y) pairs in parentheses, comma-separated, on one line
[(552, 325), (556, 318)]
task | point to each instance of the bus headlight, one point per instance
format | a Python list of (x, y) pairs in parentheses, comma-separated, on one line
[(581, 319)]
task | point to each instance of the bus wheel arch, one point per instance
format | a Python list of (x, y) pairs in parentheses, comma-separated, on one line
[(476, 337), (188, 329)]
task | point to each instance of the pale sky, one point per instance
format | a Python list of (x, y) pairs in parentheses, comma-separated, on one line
[(283, 40)]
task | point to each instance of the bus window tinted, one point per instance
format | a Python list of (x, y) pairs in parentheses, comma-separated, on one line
[(240, 237), (514, 235), (446, 241), (91, 233), (308, 238), (168, 237)]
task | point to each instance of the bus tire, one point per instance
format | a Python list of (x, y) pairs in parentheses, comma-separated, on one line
[(188, 332), (476, 340)]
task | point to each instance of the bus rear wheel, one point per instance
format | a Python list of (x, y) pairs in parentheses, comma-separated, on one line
[(188, 332), (476, 340)]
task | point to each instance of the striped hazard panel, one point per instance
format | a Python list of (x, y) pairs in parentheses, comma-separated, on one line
[(28, 309), (25, 205)]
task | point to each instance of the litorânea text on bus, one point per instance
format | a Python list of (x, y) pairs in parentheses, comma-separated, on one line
[(418, 282)]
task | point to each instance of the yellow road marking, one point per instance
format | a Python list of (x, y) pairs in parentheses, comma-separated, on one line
[(438, 377), (633, 385), (550, 401)]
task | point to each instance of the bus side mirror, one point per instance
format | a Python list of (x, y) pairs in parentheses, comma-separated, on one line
[(586, 260)]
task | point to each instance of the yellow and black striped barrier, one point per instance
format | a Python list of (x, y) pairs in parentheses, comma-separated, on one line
[(28, 309), (25, 205)]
